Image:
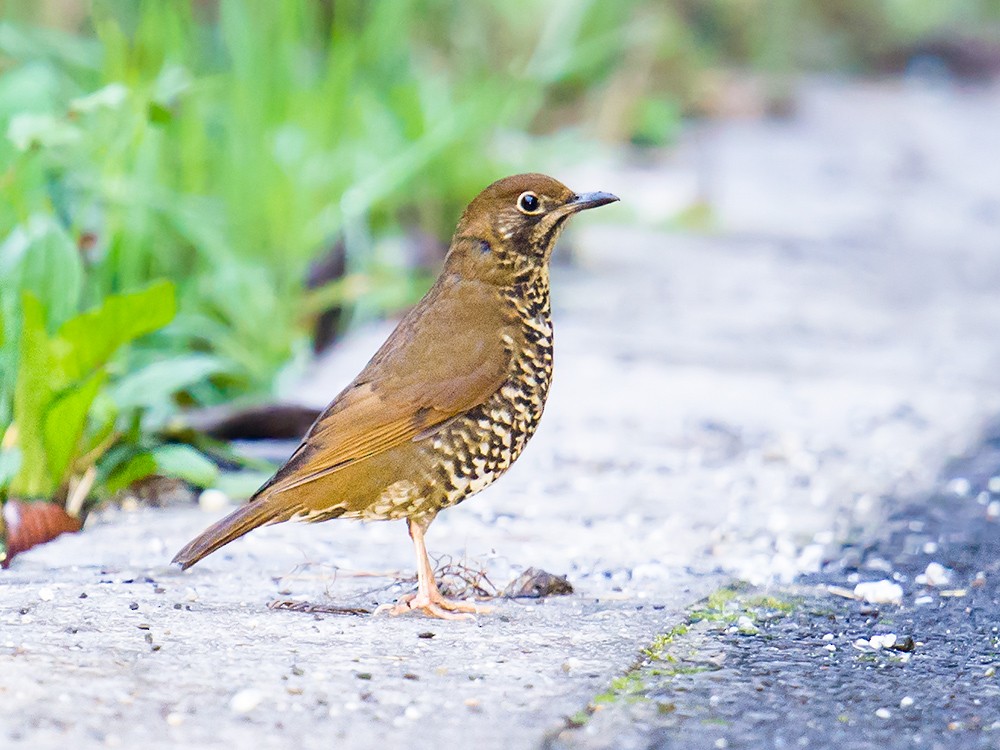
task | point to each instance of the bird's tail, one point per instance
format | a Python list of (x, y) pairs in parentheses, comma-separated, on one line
[(255, 513)]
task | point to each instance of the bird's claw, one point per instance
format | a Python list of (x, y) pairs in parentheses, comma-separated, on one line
[(438, 606)]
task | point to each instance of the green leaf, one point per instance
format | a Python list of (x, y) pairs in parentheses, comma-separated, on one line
[(88, 340), (136, 467), (65, 421), (240, 485), (184, 462), (40, 257), (28, 130), (159, 381), (10, 463), (32, 394)]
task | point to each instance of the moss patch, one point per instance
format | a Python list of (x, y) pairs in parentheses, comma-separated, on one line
[(678, 652)]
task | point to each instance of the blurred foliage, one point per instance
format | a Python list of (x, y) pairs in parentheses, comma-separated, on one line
[(224, 146)]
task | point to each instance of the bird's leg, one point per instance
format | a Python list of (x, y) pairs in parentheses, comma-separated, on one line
[(428, 598)]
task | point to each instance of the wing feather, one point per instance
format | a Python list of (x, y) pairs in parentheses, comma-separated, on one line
[(422, 378)]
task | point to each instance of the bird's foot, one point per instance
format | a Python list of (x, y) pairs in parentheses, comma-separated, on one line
[(434, 606)]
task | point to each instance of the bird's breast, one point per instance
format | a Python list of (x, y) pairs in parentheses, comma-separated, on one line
[(474, 450)]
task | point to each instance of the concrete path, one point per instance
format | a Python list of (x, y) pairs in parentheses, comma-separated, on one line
[(726, 404)]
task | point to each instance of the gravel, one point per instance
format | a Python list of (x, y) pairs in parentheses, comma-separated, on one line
[(921, 672), (732, 404)]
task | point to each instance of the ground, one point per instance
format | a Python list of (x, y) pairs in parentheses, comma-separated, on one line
[(747, 395)]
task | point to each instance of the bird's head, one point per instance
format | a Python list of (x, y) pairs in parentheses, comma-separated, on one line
[(512, 226)]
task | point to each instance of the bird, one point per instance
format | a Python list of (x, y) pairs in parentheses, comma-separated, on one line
[(447, 403)]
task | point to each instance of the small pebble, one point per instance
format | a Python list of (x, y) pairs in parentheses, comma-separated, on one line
[(905, 644), (174, 719), (922, 600), (830, 647), (994, 485), (570, 664), (876, 642), (828, 637), (905, 702), (990, 671), (993, 510), (879, 592), (213, 500), (246, 700), (746, 625), (959, 486), (883, 713), (937, 575), (888, 640)]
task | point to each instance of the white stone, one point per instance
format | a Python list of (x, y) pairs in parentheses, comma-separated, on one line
[(959, 486), (937, 575), (213, 500), (245, 700), (879, 592)]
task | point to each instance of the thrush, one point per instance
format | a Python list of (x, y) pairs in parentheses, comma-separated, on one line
[(448, 402)]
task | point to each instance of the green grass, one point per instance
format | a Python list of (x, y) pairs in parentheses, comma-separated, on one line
[(223, 147), (674, 653)]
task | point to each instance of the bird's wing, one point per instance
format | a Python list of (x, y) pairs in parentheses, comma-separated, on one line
[(428, 372)]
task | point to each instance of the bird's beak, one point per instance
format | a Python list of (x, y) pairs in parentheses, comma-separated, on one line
[(583, 201)]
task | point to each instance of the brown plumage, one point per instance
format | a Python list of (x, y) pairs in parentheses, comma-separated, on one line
[(450, 399)]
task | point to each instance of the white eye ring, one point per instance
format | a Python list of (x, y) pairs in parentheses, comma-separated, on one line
[(528, 203)]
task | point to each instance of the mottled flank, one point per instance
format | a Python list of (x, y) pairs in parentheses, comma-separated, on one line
[(473, 451)]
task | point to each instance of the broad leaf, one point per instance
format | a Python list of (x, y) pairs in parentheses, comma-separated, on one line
[(241, 485), (157, 382), (138, 466), (65, 421), (88, 340), (40, 257), (184, 462), (32, 394)]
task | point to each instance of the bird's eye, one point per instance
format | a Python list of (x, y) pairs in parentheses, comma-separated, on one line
[(528, 203)]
